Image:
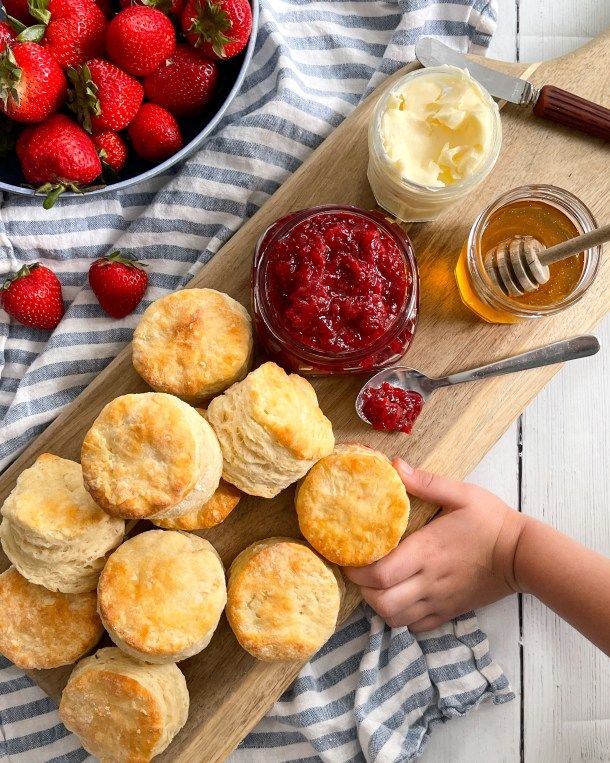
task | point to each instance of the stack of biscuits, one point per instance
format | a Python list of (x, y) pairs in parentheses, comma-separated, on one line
[(161, 593)]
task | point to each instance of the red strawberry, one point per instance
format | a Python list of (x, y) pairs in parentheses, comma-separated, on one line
[(33, 297), (32, 85), (155, 134), (184, 84), (57, 155), (139, 39), (18, 9), (75, 29), (7, 35), (221, 28), (103, 97), (118, 283), (111, 149), (168, 7)]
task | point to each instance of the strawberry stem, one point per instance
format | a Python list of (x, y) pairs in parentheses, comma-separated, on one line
[(210, 25), (116, 256), (39, 9), (82, 95), (10, 76), (23, 271), (32, 33)]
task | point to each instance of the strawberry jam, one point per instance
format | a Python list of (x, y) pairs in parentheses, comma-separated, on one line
[(392, 408), (335, 291)]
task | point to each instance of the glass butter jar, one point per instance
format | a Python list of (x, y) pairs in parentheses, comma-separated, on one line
[(551, 215), (335, 290), (446, 137)]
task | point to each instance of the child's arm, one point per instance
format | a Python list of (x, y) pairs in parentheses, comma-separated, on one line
[(478, 551)]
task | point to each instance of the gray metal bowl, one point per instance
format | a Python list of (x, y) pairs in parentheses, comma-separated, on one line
[(194, 130)]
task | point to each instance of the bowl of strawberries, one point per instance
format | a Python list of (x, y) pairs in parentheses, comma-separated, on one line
[(98, 95)]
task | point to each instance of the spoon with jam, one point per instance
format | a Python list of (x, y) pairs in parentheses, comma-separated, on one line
[(393, 398)]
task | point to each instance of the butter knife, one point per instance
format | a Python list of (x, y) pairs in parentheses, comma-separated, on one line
[(549, 102)]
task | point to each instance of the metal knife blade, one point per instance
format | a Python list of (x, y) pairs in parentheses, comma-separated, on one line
[(432, 52)]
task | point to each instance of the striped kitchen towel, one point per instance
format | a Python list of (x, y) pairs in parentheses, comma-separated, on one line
[(371, 693)]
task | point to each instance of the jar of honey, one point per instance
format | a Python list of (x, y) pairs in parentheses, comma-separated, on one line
[(547, 213)]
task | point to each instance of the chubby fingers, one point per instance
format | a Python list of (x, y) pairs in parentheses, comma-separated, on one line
[(402, 604), (400, 564), (433, 488)]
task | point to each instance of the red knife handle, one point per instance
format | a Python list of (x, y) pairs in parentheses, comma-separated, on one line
[(573, 111)]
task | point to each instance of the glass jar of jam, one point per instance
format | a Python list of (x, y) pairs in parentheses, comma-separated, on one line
[(547, 213), (335, 291)]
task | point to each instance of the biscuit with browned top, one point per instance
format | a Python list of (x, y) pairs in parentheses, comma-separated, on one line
[(352, 506), (161, 595), (283, 600), (193, 343), (124, 710), (42, 629), (210, 514), (150, 454)]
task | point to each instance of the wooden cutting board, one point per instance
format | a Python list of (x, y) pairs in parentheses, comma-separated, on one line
[(230, 691)]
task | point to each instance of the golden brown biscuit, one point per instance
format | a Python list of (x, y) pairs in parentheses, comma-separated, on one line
[(41, 629), (193, 343), (282, 600), (150, 454), (271, 430), (53, 531), (212, 513), (352, 506), (124, 710), (161, 595)]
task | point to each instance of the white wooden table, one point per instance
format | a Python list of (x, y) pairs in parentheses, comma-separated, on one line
[(554, 464)]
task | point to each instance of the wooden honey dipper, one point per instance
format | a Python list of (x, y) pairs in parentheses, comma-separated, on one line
[(521, 264)]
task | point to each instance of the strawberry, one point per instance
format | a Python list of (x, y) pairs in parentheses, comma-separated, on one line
[(18, 9), (154, 133), (32, 85), (184, 84), (33, 297), (102, 96), (221, 28), (118, 283), (57, 155), (75, 29), (168, 7), (139, 39), (111, 149), (7, 35)]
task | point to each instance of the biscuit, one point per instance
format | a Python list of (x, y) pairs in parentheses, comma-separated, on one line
[(282, 600), (352, 506), (53, 531), (271, 430), (210, 514), (43, 629), (193, 343), (161, 595), (123, 710), (150, 454)]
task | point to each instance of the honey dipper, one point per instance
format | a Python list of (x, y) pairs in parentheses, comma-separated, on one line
[(521, 264)]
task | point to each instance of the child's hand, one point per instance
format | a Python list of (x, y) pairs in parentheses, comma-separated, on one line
[(463, 559)]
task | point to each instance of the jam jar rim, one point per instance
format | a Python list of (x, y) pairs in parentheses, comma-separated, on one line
[(461, 186), (408, 311), (567, 203)]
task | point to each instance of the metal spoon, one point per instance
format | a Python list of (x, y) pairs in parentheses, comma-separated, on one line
[(410, 379)]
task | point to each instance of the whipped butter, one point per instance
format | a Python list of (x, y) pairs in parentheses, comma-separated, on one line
[(434, 136)]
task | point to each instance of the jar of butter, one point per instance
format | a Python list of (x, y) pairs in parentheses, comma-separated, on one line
[(434, 136)]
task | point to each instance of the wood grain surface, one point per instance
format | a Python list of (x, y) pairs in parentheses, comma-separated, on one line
[(229, 690)]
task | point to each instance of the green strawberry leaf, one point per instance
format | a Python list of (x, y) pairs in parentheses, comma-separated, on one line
[(23, 271), (83, 95), (15, 24), (123, 259), (10, 76), (210, 25), (39, 9), (32, 33)]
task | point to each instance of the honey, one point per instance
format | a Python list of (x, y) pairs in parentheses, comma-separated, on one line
[(550, 215)]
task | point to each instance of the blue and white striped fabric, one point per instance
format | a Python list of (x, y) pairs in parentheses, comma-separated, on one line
[(372, 693)]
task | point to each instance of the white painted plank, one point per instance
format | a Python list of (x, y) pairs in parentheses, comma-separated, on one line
[(551, 28), (566, 463), (491, 733), (504, 42)]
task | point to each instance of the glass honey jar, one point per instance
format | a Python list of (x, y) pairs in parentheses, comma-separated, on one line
[(547, 213)]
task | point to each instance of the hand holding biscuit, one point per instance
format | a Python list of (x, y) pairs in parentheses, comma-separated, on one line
[(462, 560)]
